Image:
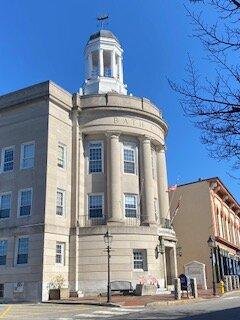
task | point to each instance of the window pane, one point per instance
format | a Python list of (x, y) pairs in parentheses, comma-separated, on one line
[(60, 202), (138, 260), (8, 160), (22, 257), (95, 157), (28, 151), (129, 167), (61, 156), (3, 252), (25, 211), (95, 206), (26, 197), (1, 290), (28, 155), (128, 155), (59, 253), (5, 205), (129, 159), (130, 206), (25, 202)]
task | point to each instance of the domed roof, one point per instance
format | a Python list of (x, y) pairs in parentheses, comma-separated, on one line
[(103, 33)]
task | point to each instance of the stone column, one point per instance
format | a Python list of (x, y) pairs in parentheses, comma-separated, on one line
[(162, 183), (149, 217), (237, 282), (113, 64), (173, 261), (230, 286), (101, 63), (120, 68), (226, 286), (115, 213), (89, 73)]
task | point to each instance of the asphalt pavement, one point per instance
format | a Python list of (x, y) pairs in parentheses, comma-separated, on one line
[(226, 308)]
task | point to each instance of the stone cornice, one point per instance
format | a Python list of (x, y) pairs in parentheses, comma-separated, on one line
[(145, 114), (42, 91), (115, 99)]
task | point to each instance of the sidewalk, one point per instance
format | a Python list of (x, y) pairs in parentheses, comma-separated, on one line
[(137, 301)]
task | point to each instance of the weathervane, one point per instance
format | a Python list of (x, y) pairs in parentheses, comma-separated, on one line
[(102, 19)]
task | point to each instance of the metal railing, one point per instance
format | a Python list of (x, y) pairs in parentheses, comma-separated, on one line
[(85, 221), (108, 72), (90, 222)]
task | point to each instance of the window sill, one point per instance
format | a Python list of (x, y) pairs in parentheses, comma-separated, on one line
[(26, 168), (26, 216), (23, 265), (90, 173), (10, 171)]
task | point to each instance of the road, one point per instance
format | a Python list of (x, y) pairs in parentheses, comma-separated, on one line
[(227, 308)]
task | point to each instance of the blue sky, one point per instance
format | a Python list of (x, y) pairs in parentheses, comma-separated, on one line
[(43, 40)]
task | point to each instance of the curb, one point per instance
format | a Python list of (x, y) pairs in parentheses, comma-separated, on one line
[(173, 302), (229, 293), (101, 304)]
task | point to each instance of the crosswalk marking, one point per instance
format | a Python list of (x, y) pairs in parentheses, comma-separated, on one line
[(90, 315), (111, 312), (129, 310)]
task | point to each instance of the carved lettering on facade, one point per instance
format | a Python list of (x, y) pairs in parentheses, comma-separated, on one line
[(136, 123)]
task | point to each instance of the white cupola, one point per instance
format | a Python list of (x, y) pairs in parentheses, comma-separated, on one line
[(103, 61)]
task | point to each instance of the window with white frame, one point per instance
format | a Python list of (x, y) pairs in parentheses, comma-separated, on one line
[(95, 154), (5, 205), (27, 155), (129, 158), (95, 206), (62, 155), (140, 259), (22, 250), (25, 202), (3, 252), (131, 205), (60, 253), (7, 159), (60, 207)]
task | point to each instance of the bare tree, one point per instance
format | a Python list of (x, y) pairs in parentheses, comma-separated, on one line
[(213, 100)]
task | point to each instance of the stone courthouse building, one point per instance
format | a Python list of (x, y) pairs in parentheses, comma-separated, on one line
[(73, 166)]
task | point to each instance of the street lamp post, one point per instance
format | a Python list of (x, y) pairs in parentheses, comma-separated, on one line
[(108, 240), (211, 244)]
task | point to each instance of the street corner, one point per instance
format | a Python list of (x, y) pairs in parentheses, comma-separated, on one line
[(5, 311)]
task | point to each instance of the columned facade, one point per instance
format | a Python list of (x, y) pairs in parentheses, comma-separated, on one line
[(132, 181), (101, 163)]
